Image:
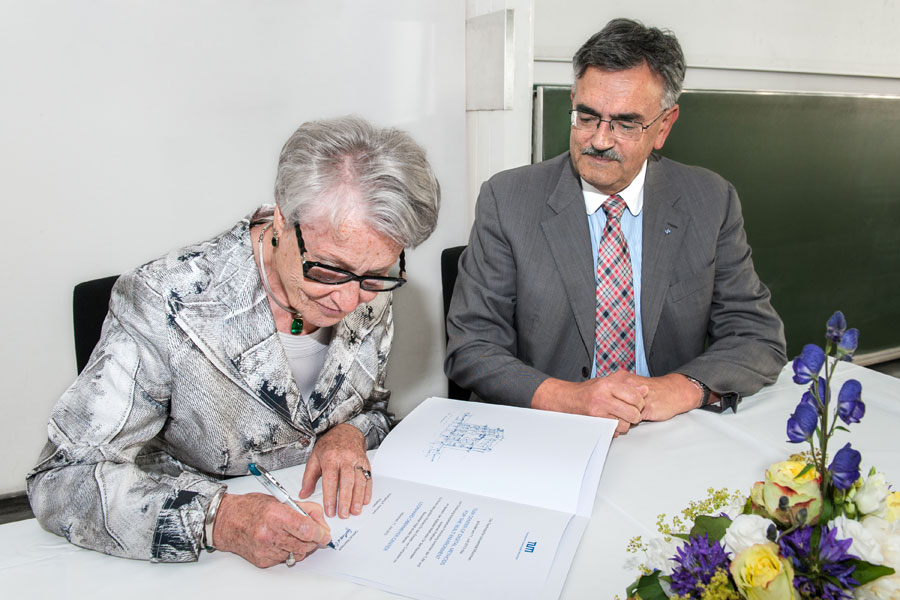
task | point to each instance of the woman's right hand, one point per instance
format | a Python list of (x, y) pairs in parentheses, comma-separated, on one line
[(265, 532)]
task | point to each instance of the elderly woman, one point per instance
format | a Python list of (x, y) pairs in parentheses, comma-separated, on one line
[(266, 344)]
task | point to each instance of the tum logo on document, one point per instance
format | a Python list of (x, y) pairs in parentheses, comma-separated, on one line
[(526, 546)]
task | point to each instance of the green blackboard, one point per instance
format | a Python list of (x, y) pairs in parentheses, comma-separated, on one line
[(819, 181)]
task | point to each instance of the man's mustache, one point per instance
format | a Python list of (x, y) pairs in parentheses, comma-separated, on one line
[(608, 154)]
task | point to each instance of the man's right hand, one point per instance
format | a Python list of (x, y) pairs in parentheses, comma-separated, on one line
[(264, 531), (616, 396)]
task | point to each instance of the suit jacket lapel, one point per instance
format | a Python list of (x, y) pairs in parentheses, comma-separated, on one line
[(253, 348), (566, 231), (249, 352), (342, 361), (664, 232)]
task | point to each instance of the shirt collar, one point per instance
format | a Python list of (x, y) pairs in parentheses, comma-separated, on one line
[(633, 195)]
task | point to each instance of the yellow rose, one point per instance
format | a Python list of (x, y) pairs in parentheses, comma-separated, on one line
[(760, 574), (782, 481), (892, 512)]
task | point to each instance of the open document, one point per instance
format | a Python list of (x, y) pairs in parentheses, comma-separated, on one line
[(472, 501)]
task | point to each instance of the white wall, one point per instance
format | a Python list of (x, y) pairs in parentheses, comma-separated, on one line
[(799, 45), (131, 128)]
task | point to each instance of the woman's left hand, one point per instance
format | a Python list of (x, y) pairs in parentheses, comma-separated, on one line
[(339, 458)]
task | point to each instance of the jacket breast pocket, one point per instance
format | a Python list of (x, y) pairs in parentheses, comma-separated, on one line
[(698, 282)]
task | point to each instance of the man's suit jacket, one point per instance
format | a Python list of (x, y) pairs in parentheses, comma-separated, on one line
[(523, 307), (188, 384)]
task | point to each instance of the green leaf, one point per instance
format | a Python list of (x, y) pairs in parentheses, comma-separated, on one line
[(842, 428), (866, 572), (681, 536), (647, 588), (748, 507), (827, 510), (713, 527), (815, 537), (805, 470)]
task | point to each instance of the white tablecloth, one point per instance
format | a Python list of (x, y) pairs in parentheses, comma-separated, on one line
[(655, 468)]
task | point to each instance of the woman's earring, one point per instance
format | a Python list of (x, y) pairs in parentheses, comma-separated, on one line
[(274, 240)]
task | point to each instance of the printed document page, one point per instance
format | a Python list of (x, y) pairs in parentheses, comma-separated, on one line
[(534, 457), (427, 542)]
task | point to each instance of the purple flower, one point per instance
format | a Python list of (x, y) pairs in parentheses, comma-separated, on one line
[(820, 390), (808, 398), (850, 407), (698, 560), (825, 571), (802, 424), (835, 327), (808, 364), (844, 467), (847, 345)]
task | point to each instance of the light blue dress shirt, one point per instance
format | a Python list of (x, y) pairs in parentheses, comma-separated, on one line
[(632, 228)]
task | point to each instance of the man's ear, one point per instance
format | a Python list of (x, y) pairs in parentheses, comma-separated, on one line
[(666, 127)]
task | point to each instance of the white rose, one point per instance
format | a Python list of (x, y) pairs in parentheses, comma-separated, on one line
[(883, 588), (735, 508), (745, 531), (660, 554), (887, 534), (872, 496), (864, 545)]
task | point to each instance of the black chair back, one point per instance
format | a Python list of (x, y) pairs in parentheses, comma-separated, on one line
[(90, 303), (449, 270)]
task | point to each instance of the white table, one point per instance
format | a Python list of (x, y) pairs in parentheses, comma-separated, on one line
[(655, 468)]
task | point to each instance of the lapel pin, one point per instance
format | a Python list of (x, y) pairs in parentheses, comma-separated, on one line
[(668, 231)]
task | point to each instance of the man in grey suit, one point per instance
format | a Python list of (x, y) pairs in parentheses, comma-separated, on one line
[(524, 319)]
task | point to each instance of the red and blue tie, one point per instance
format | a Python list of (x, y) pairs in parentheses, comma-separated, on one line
[(615, 295)]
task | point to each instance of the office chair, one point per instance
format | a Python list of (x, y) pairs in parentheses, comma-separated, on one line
[(90, 303), (449, 270)]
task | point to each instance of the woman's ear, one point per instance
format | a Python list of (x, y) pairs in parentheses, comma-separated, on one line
[(279, 221)]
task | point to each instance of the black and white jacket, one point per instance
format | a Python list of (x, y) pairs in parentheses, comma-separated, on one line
[(188, 384)]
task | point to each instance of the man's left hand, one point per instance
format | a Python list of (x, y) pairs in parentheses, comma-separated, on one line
[(339, 458), (668, 396)]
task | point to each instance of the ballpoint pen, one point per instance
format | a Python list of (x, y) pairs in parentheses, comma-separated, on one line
[(277, 490)]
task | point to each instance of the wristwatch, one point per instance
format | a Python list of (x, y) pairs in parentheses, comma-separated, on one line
[(704, 400)]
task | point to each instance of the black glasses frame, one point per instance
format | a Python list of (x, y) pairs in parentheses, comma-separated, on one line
[(392, 282), (612, 128)]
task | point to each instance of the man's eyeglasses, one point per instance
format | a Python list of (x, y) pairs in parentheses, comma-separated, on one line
[(620, 128), (329, 275)]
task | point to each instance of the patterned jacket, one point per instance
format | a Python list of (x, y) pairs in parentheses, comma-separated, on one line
[(188, 384)]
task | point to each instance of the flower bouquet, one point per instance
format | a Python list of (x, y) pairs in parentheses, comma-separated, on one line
[(811, 529)]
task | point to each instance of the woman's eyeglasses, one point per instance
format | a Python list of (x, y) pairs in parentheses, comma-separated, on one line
[(330, 275)]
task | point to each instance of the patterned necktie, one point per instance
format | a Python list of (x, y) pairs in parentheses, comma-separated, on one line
[(615, 296)]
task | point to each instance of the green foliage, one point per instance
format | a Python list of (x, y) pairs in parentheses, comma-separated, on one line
[(866, 572), (646, 588), (805, 470), (713, 527)]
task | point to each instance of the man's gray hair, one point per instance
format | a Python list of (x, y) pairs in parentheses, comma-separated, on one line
[(625, 44), (333, 168)]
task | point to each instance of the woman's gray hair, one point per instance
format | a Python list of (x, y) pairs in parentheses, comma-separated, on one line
[(625, 44), (384, 175)]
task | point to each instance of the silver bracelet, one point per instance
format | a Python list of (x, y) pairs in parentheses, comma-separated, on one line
[(211, 519)]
